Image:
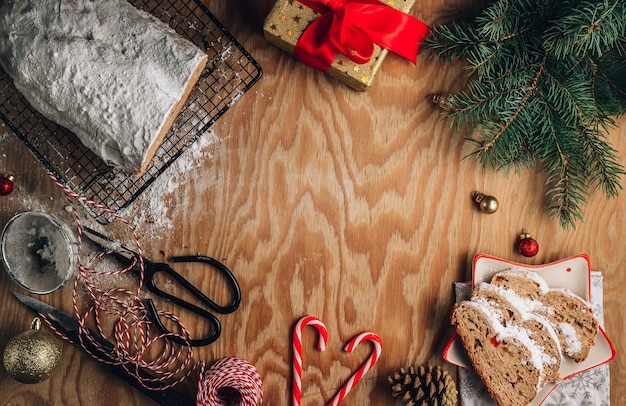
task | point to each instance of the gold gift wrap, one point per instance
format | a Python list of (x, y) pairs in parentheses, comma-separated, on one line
[(288, 19)]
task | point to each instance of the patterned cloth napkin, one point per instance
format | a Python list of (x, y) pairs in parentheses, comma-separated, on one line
[(588, 388)]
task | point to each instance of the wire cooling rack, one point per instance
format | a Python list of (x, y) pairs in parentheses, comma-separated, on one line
[(229, 74)]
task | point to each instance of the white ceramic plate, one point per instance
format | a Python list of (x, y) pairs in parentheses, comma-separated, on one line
[(572, 273)]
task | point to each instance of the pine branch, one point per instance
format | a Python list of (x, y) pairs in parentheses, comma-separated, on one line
[(605, 171), (567, 190), (455, 41), (546, 77), (588, 26), (528, 93)]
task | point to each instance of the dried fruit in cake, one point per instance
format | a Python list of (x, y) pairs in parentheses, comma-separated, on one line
[(571, 316), (502, 357), (527, 284), (574, 321), (516, 330)]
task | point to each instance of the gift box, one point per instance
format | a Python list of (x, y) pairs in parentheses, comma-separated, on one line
[(311, 30)]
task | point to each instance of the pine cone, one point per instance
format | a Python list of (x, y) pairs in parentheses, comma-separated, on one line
[(424, 386)]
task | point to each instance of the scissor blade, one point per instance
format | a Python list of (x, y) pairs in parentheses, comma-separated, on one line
[(38, 306), (108, 244), (61, 321), (70, 328)]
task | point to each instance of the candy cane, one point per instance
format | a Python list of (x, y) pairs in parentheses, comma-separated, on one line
[(365, 367), (297, 352)]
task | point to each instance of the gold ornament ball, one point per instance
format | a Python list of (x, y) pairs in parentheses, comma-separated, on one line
[(32, 356), (486, 204)]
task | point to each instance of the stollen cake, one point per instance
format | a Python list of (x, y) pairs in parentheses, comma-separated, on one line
[(572, 317), (516, 331), (114, 75)]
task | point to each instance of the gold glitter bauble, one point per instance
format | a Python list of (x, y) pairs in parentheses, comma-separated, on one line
[(33, 355)]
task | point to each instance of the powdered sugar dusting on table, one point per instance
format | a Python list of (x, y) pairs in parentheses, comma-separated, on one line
[(151, 211)]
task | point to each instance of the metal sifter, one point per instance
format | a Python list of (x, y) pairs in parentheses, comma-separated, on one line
[(37, 252)]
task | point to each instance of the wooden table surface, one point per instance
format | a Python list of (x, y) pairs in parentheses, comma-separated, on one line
[(352, 207)]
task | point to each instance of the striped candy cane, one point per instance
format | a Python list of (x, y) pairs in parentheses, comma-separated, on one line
[(297, 352), (365, 367)]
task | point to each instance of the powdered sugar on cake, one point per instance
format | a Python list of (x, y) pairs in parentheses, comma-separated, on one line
[(517, 317), (524, 304), (505, 330), (112, 74), (571, 337)]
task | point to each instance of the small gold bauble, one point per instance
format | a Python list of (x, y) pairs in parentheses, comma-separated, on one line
[(32, 356), (486, 204)]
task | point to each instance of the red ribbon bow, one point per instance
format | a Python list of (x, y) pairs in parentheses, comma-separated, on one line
[(352, 27)]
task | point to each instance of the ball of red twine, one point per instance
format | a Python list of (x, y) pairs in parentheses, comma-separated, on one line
[(230, 382)]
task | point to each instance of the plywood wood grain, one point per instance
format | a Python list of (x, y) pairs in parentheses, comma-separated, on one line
[(353, 207)]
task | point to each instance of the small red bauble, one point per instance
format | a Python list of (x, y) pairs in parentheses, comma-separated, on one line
[(6, 185), (527, 245)]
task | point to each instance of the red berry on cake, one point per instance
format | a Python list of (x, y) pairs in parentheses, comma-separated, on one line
[(516, 331)]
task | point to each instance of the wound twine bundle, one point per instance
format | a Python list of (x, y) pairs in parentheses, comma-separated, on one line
[(229, 382)]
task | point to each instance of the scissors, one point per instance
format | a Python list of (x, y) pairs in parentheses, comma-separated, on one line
[(130, 259), (70, 328)]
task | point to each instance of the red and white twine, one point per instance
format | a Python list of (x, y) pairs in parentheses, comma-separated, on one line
[(135, 335), (230, 382)]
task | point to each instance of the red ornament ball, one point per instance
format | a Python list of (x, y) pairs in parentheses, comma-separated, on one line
[(6, 185), (527, 245)]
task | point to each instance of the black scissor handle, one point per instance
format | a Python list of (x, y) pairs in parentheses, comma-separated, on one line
[(217, 326), (153, 268), (230, 278)]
